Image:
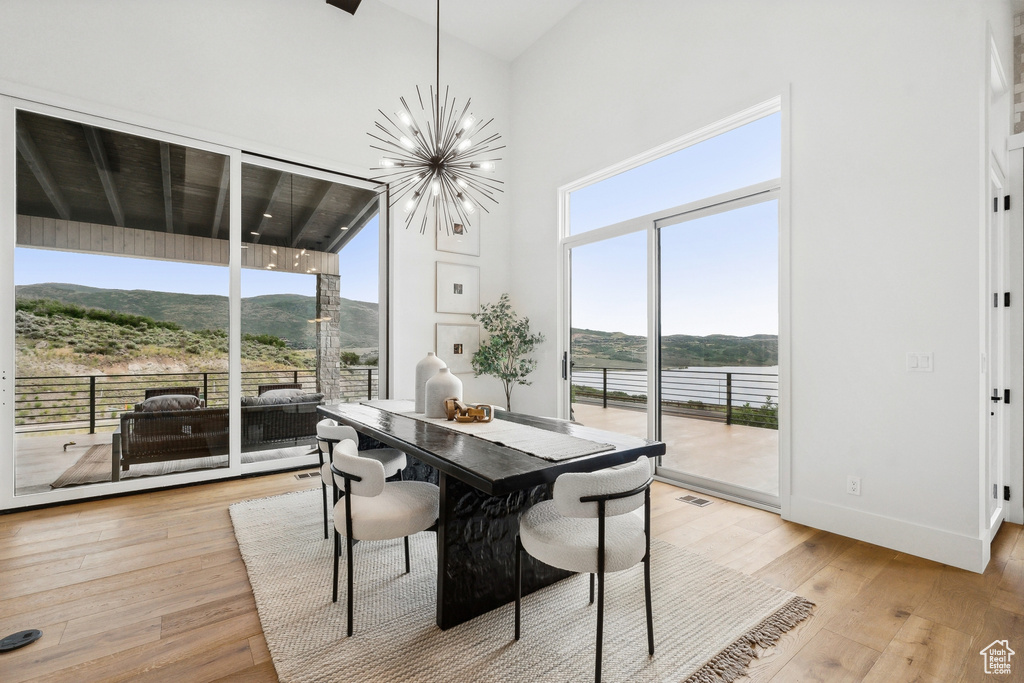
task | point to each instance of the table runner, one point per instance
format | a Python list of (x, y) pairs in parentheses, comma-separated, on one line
[(540, 443)]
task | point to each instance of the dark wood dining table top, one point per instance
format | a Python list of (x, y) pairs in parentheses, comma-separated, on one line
[(487, 466)]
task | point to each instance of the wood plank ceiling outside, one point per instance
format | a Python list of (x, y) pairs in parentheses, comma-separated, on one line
[(82, 173)]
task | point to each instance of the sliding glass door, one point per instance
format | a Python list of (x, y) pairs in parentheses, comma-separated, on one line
[(121, 320), (608, 356), (175, 308), (719, 342), (672, 308)]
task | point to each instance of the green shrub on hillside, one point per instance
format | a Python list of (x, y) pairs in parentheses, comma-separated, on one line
[(50, 308), (268, 339)]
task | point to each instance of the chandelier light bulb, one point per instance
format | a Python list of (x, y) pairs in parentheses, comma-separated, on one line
[(465, 144), (462, 182), (406, 142), (468, 122), (435, 187), (386, 163), (404, 118), (487, 166)]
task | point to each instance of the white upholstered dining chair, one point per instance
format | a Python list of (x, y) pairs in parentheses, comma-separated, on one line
[(587, 527), (329, 433), (371, 509)]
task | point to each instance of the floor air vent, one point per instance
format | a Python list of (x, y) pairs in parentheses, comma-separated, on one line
[(306, 475), (694, 500)]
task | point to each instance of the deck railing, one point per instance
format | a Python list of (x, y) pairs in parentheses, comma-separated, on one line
[(732, 397), (60, 403)]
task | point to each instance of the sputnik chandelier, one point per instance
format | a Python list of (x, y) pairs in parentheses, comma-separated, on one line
[(438, 168)]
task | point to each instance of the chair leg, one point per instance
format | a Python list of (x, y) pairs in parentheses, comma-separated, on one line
[(349, 540), (650, 612), (600, 624), (519, 580), (407, 567), (323, 487), (591, 589), (337, 551)]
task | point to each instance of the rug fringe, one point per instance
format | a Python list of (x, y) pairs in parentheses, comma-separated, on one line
[(731, 663)]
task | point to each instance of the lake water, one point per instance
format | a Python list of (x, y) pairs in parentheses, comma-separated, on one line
[(709, 385)]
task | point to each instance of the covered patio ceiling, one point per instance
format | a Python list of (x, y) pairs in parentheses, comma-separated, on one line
[(76, 172)]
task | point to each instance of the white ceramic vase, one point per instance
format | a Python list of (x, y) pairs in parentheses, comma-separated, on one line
[(441, 387), (426, 369)]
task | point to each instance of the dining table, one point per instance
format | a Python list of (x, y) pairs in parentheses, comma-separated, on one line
[(485, 487)]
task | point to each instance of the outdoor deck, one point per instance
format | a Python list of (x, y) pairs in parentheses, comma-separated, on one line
[(42, 459), (737, 454)]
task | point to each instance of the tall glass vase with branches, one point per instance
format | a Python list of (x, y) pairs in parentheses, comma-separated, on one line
[(503, 354)]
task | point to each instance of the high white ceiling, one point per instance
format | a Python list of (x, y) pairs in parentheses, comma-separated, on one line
[(503, 28)]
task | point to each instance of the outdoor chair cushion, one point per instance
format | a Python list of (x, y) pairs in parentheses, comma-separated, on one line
[(169, 402), (270, 399)]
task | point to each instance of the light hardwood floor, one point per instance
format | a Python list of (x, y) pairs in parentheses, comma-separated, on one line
[(152, 587)]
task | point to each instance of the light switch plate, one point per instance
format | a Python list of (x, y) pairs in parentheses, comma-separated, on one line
[(918, 361)]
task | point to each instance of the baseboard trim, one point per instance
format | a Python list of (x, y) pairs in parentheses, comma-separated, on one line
[(957, 550)]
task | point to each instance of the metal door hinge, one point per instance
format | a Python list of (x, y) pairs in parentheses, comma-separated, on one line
[(1006, 299), (1006, 493), (1006, 203), (1006, 396)]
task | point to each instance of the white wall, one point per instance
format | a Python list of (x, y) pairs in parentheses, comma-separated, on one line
[(297, 79), (886, 160)]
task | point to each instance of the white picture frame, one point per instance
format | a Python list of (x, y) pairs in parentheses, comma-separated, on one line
[(458, 288), (456, 344), (460, 238)]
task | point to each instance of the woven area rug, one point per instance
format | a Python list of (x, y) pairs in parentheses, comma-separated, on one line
[(94, 465), (707, 619)]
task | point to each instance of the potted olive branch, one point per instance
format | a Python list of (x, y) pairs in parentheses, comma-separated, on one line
[(503, 353)]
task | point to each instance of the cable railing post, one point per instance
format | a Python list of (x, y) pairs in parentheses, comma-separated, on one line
[(369, 383), (206, 388), (92, 404), (604, 390), (728, 398)]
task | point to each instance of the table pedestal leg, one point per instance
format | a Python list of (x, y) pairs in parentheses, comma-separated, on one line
[(476, 543)]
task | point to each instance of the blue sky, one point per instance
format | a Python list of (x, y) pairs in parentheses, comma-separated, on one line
[(358, 267), (719, 274)]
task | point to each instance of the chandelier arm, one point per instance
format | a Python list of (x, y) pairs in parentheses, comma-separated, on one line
[(416, 130), (481, 181), (483, 191), (454, 192)]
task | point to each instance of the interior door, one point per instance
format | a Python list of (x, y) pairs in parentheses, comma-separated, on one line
[(995, 351)]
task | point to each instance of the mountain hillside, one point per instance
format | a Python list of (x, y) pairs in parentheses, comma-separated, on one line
[(283, 315), (595, 348)]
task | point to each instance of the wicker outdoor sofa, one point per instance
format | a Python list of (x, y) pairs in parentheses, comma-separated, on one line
[(280, 416)]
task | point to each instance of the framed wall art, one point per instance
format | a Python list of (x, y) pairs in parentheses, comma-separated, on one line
[(456, 345), (458, 288), (460, 238)]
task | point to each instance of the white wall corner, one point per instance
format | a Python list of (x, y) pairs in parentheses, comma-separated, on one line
[(947, 547)]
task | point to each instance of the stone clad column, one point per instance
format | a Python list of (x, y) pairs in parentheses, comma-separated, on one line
[(328, 351)]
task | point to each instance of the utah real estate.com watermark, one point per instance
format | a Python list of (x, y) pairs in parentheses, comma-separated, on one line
[(997, 657)]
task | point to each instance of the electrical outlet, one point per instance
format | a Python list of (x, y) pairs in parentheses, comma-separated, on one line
[(853, 485)]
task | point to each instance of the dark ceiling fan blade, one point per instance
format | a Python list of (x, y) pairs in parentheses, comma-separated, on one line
[(349, 6)]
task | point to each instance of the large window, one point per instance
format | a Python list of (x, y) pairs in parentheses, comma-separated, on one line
[(683, 273), (121, 306), (177, 306)]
